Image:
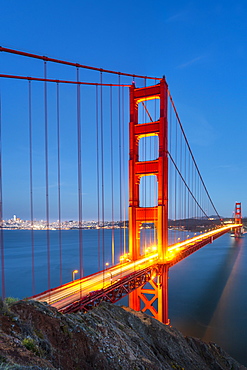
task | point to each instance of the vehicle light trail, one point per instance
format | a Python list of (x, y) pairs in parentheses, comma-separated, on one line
[(182, 245), (66, 294)]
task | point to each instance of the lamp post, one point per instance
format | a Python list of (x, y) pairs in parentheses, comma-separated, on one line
[(73, 274)]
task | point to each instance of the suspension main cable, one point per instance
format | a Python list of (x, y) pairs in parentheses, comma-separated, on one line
[(147, 111), (42, 79), (193, 158), (78, 65), (182, 178)]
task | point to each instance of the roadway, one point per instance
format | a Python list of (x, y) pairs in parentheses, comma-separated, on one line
[(64, 295)]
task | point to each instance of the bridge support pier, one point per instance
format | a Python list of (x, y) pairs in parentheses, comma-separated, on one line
[(157, 305), (163, 298), (153, 297)]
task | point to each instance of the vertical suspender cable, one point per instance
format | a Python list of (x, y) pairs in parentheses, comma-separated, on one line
[(112, 184), (31, 179), (97, 170), (146, 177), (180, 190), (120, 164), (170, 188), (1, 208), (151, 179), (202, 195), (143, 181), (175, 187), (197, 195), (180, 181), (200, 200), (189, 184), (59, 185), (102, 171), (194, 191), (79, 170), (189, 199), (194, 162), (155, 182), (124, 194), (185, 190), (47, 180)]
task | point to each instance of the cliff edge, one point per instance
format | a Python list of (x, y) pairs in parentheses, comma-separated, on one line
[(36, 336)]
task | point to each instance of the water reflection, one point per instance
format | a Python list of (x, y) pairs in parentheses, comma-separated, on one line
[(208, 296)]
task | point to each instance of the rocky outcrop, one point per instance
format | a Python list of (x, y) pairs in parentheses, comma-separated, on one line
[(36, 336)]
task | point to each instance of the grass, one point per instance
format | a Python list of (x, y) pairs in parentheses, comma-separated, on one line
[(10, 300)]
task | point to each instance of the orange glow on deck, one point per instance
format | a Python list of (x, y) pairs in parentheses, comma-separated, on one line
[(174, 249), (68, 293)]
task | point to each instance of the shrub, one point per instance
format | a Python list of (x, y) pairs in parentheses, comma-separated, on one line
[(10, 300), (29, 343)]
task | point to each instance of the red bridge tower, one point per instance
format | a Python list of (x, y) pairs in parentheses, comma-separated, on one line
[(238, 219), (157, 214)]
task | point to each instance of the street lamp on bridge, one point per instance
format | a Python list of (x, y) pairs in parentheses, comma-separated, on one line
[(73, 274)]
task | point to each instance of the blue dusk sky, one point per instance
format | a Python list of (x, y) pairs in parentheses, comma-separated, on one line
[(200, 47)]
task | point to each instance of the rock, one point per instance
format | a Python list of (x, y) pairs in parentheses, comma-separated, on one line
[(36, 336)]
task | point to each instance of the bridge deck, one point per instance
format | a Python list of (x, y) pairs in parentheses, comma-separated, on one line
[(117, 281)]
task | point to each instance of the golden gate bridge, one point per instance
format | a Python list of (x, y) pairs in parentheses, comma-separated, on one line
[(79, 126)]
